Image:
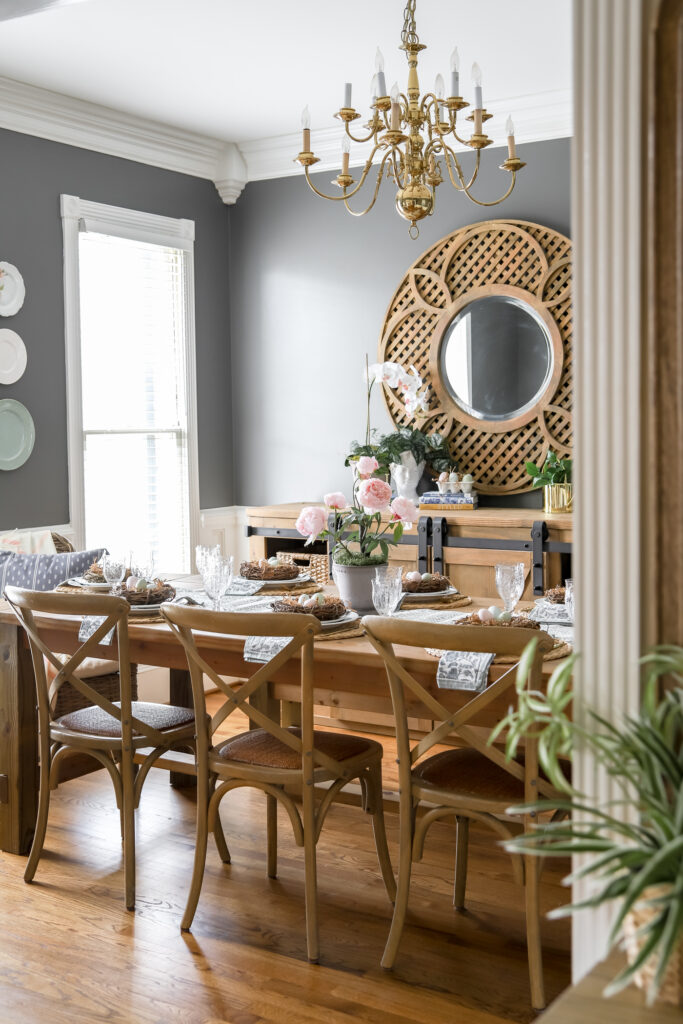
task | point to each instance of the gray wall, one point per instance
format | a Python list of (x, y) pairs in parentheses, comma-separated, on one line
[(34, 173), (310, 286)]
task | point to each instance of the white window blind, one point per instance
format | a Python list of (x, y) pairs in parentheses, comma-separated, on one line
[(133, 359)]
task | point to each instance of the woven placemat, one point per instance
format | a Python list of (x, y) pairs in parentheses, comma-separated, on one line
[(354, 629), (301, 588), (560, 650), (64, 588), (457, 601)]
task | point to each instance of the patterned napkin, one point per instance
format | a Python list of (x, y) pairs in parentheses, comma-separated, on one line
[(264, 648), (440, 616), (241, 587), (565, 634), (464, 670), (89, 624), (546, 611)]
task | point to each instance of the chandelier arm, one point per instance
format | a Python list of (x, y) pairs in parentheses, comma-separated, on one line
[(448, 156), (367, 137), (347, 195), (400, 180), (493, 202), (380, 172)]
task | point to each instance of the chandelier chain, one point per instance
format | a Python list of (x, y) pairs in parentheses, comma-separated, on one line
[(409, 36)]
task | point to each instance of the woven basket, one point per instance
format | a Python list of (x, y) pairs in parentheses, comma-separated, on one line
[(69, 699), (671, 990), (317, 565)]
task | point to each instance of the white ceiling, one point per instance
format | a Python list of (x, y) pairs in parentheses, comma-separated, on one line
[(240, 71)]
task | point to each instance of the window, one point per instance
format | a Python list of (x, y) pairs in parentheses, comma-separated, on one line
[(130, 353)]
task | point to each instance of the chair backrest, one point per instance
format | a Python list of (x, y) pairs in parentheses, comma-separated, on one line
[(384, 632), (187, 622), (29, 605)]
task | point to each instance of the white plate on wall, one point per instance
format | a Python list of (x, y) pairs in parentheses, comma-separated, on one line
[(12, 356), (17, 434), (12, 290)]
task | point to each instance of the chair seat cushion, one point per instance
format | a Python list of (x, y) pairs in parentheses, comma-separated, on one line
[(471, 774), (259, 748), (96, 722)]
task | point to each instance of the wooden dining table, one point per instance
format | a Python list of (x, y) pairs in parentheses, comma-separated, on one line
[(349, 674)]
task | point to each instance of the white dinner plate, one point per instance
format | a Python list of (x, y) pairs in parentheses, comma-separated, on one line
[(12, 356), (433, 595), (303, 578), (145, 609), (12, 290), (343, 620), (78, 581)]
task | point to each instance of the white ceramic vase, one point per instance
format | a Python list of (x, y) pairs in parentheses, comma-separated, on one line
[(354, 583), (406, 476)]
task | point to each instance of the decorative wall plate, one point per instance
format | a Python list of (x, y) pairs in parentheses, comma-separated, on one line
[(17, 434), (12, 356), (526, 262), (12, 290)]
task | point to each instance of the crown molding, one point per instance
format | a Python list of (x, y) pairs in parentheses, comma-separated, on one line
[(52, 115), (537, 117)]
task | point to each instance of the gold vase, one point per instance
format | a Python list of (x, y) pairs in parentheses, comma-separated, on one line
[(558, 498)]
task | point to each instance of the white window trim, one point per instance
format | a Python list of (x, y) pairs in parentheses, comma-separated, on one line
[(144, 227)]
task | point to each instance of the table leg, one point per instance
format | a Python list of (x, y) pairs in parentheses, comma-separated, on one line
[(19, 746), (180, 692)]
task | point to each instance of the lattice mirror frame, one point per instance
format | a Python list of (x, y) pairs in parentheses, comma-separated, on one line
[(494, 257)]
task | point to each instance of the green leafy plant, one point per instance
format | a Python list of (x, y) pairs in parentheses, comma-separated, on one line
[(553, 471), (635, 845), (430, 448), (372, 448)]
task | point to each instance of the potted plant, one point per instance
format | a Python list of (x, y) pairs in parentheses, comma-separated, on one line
[(555, 477), (358, 540), (635, 845)]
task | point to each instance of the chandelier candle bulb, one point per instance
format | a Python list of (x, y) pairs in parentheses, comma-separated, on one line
[(306, 125), (374, 87), (347, 95), (395, 108), (510, 129), (476, 81), (346, 149), (455, 76), (379, 68), (439, 89)]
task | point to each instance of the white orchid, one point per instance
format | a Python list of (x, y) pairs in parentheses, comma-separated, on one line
[(416, 401), (391, 374)]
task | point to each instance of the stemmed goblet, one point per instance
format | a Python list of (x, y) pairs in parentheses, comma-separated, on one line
[(510, 584)]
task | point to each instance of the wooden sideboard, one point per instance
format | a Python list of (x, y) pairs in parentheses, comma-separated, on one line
[(471, 566)]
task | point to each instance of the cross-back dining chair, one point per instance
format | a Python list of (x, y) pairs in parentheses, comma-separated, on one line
[(109, 731), (270, 757), (470, 782)]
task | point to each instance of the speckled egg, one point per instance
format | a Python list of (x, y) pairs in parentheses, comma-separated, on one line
[(506, 617), (496, 612), (468, 478), (426, 576), (303, 599), (414, 577), (132, 582), (485, 615)]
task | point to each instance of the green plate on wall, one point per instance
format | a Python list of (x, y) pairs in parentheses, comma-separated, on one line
[(17, 434)]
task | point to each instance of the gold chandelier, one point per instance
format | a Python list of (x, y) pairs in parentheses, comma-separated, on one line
[(410, 135)]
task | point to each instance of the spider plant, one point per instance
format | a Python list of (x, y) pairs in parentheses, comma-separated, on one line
[(635, 843)]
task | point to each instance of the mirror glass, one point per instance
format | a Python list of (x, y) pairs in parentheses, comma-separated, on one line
[(496, 357)]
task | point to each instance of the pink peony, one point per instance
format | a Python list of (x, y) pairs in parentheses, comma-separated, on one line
[(374, 495), (312, 521), (367, 464), (405, 510), (335, 500)]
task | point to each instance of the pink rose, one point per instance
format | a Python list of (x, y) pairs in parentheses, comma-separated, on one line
[(367, 464), (312, 521), (335, 500), (405, 510), (374, 494)]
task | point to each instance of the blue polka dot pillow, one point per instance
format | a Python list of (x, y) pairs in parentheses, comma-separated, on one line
[(44, 572)]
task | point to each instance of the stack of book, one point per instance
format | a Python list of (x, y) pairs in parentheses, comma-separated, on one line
[(435, 501)]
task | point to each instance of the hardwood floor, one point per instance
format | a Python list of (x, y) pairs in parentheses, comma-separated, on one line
[(69, 951)]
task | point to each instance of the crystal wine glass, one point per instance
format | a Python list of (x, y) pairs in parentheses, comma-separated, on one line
[(510, 584), (113, 570), (386, 595), (217, 577)]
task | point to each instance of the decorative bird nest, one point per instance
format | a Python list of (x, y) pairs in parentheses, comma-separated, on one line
[(263, 570), (331, 608)]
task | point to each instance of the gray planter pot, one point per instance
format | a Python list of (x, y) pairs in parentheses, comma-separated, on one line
[(354, 583)]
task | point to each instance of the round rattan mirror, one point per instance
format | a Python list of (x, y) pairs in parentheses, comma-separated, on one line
[(511, 282)]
